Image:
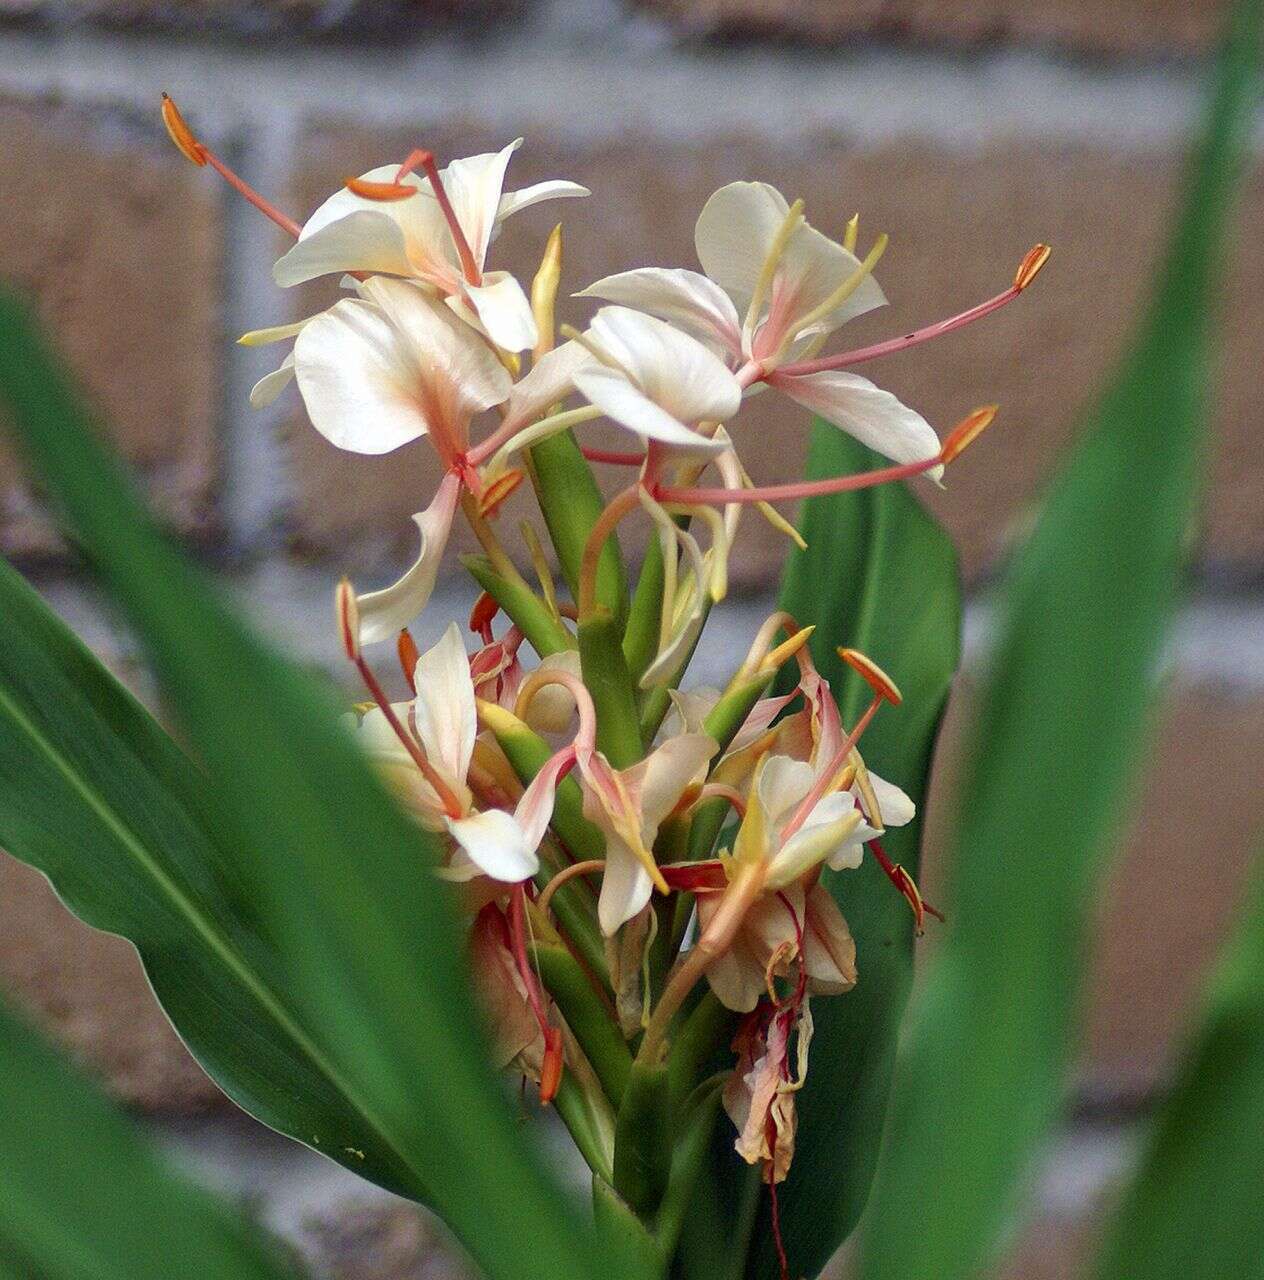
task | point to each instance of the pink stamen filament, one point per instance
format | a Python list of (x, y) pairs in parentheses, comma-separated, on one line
[(937, 330), (722, 791), (825, 778), (518, 940), (613, 457), (801, 489), (425, 161), (266, 207), (622, 504)]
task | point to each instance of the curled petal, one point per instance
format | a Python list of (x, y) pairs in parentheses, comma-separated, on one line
[(874, 417), (896, 807), (554, 189), (503, 311), (266, 390), (383, 614), (826, 834)]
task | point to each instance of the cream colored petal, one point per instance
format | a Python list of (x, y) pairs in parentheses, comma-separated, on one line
[(676, 372), (554, 189), (383, 614), (625, 885), (734, 231), (689, 608), (873, 416), (630, 407), (503, 311), (737, 976), (501, 995), (446, 718), (782, 785), (358, 379), (553, 708), (551, 379), (474, 187), (690, 301), (897, 809), (824, 834), (266, 390), (668, 772), (829, 952), (363, 240), (375, 735), (689, 708), (496, 844)]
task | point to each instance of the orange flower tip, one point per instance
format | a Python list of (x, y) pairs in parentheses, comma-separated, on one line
[(347, 609), (1030, 266), (484, 612), (381, 191), (551, 1070), (966, 432), (872, 675), (180, 132), (409, 655), (499, 489)]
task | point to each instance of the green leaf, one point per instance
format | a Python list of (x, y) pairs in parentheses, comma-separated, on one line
[(83, 1198), (1058, 734), (95, 795), (372, 955), (1193, 1210)]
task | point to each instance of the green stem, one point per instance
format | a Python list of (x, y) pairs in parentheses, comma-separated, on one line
[(606, 677), (691, 1150), (528, 612), (640, 639), (616, 1220), (589, 1122), (643, 1138), (704, 1033)]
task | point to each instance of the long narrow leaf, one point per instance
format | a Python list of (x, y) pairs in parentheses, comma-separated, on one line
[(83, 1198), (371, 952), (1193, 1210), (1056, 741)]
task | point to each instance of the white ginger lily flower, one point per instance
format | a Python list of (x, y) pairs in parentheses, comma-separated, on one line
[(629, 806), (794, 286), (656, 381), (411, 238), (444, 718)]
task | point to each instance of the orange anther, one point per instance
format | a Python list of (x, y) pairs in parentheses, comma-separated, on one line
[(348, 613), (498, 491), (872, 675), (383, 191), (965, 432), (180, 132), (1029, 267), (551, 1070), (409, 654)]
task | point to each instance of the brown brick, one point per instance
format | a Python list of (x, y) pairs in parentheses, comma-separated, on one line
[(88, 991), (1164, 910), (959, 224), (1124, 27), (112, 235)]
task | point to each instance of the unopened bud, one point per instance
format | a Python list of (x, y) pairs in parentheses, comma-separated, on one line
[(180, 132), (872, 675), (1030, 266), (786, 650), (544, 291), (966, 432), (347, 611)]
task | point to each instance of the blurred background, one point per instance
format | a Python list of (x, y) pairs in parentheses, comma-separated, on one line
[(966, 131)]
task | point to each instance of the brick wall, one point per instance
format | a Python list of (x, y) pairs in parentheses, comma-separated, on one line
[(1064, 123)]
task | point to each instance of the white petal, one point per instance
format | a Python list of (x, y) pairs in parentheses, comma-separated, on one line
[(783, 784), (266, 390), (503, 311), (825, 834), (364, 240), (474, 185), (668, 773), (552, 378), (875, 417), (496, 844), (357, 379), (686, 299), (625, 886), (811, 269), (383, 614), (447, 721), (733, 234), (534, 811), (375, 735), (674, 370), (556, 189), (618, 399), (897, 808)]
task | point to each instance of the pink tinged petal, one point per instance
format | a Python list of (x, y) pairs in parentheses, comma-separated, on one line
[(500, 991), (689, 708), (873, 416), (552, 378), (686, 299), (447, 721), (811, 269), (383, 614), (676, 372), (496, 844), (630, 407), (734, 232), (358, 379), (829, 952), (764, 712), (474, 187), (534, 811), (366, 239), (266, 390), (503, 311), (555, 189)]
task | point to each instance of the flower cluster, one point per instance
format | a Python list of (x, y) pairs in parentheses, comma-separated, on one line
[(621, 846)]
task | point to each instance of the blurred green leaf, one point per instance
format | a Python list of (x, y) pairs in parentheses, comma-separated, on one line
[(373, 959), (83, 1198), (1193, 1210), (131, 833), (1055, 743), (880, 575)]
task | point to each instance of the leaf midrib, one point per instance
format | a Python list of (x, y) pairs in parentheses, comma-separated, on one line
[(220, 946)]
